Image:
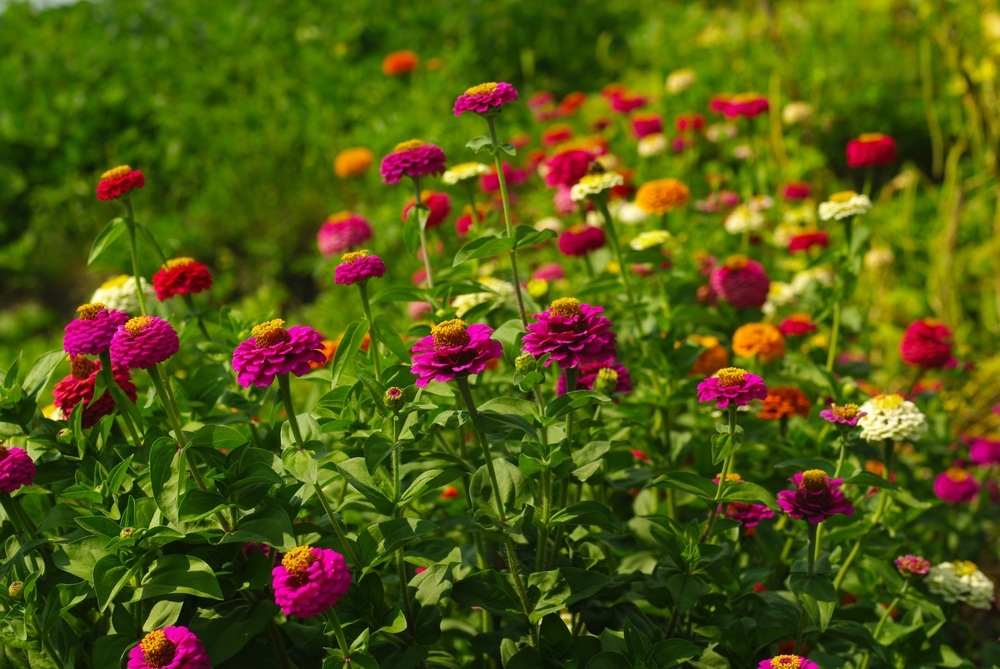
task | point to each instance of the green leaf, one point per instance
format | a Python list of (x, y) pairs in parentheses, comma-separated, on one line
[(388, 336), (197, 504), (429, 480), (301, 464), (608, 660), (105, 237), (99, 525), (477, 143), (803, 464), (378, 542), (227, 628), (269, 525), (673, 652), (515, 490), (110, 575), (587, 512), (180, 574), (569, 402), (490, 590), (745, 491), (555, 590), (377, 492), (588, 460), (116, 477), (163, 614), (486, 246), (868, 479), (41, 371), (526, 235), (688, 482), (164, 476), (218, 437), (509, 149), (723, 445), (349, 346), (509, 405), (502, 424)]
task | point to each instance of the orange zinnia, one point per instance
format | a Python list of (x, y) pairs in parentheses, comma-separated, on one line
[(400, 62), (760, 340), (353, 162)]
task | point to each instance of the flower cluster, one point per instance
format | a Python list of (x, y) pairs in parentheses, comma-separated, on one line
[(961, 581), (91, 332)]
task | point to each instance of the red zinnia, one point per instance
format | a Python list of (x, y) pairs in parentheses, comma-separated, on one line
[(440, 206), (181, 276), (871, 150), (807, 240), (580, 240), (927, 343), (119, 181)]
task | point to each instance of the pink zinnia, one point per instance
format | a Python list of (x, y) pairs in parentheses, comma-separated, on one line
[(563, 201), (842, 414), (438, 203), (741, 282), (955, 486), (181, 276), (341, 232), (984, 451), (871, 150), (571, 333), (566, 168), (274, 350), (453, 349), (169, 648), (550, 271), (119, 181), (91, 332), (623, 102), (816, 497), (796, 190), (490, 183), (747, 105), (806, 240), (485, 99), (143, 342), (587, 375), (580, 240), (927, 343), (358, 266), (787, 662), (748, 513), (912, 565), (310, 580), (732, 386), (413, 159), (797, 325), (78, 389), (16, 468), (646, 124)]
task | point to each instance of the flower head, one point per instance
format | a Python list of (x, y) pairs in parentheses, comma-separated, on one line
[(955, 486), (580, 240), (710, 360), (78, 389), (785, 402), (485, 99), (181, 276), (566, 167), (614, 375), (274, 350), (143, 342), (732, 386), (646, 124), (680, 80), (760, 340), (741, 282), (842, 414), (961, 581), (353, 162), (413, 159), (912, 565), (310, 580), (747, 105), (120, 293), (650, 239), (341, 232), (804, 241), (927, 343), (464, 172), (787, 662), (358, 266), (871, 150), (816, 497), (397, 63), (844, 205), (591, 185), (453, 349), (689, 122), (169, 648), (797, 325), (92, 330), (662, 196), (743, 219), (891, 417), (119, 181), (571, 333), (16, 468), (651, 145), (984, 451), (438, 203), (796, 190)]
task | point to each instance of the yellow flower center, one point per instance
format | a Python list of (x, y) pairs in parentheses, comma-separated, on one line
[(845, 412), (870, 137), (408, 145), (339, 216), (607, 376), (269, 333), (814, 479), (745, 97), (933, 322), (116, 172), (116, 282), (354, 256), (843, 196), (786, 662), (178, 262), (482, 89), (88, 312), (157, 650), (81, 367), (731, 376), (887, 402), (731, 477), (136, 325), (297, 560), (737, 262), (450, 333), (566, 307), (965, 568), (957, 474)]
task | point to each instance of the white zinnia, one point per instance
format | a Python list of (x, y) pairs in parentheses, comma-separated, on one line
[(650, 239), (843, 205), (500, 292), (779, 294), (464, 171), (802, 280), (679, 81), (796, 112), (961, 581), (891, 417), (652, 145), (743, 219), (595, 184), (120, 293), (628, 213)]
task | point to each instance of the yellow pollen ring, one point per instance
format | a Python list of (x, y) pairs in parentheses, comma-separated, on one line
[(339, 216), (731, 477), (157, 649), (737, 262), (814, 479), (887, 402), (566, 307), (481, 89), (354, 256), (870, 137), (116, 172), (965, 568), (297, 560), (731, 376), (178, 262), (843, 196), (89, 311), (136, 325), (786, 662), (408, 145), (957, 474), (845, 412), (450, 333), (116, 282), (269, 333)]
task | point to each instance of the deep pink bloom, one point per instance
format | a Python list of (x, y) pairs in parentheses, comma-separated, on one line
[(797, 325), (984, 451), (748, 513), (310, 580), (550, 271), (732, 385), (169, 648), (143, 342), (181, 276), (91, 332), (871, 150), (787, 662), (623, 102), (557, 134), (566, 168), (741, 282), (580, 240), (358, 266), (440, 206), (485, 98), (342, 232), (796, 190), (571, 333), (464, 222), (16, 468), (955, 485), (587, 374), (412, 159), (816, 497), (646, 124), (843, 414), (453, 349), (912, 565), (274, 350), (927, 343), (78, 389), (747, 105), (807, 240), (119, 181)]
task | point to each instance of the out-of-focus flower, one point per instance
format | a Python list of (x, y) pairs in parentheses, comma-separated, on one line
[(760, 340), (816, 497), (580, 240), (273, 350), (181, 276), (650, 239), (341, 232), (573, 101), (842, 414), (143, 342), (741, 282), (414, 159), (565, 168), (747, 105), (712, 359), (557, 134), (91, 331), (806, 240), (871, 150), (628, 213), (173, 647), (453, 349), (718, 202), (927, 343), (784, 402), (485, 99), (490, 182), (743, 219), (955, 485), (571, 333), (718, 132), (796, 112), (500, 292), (912, 565), (624, 102), (984, 451), (590, 185), (680, 80), (797, 325), (120, 294), (844, 205), (732, 386), (400, 62), (551, 271), (358, 266), (464, 171), (439, 204), (879, 257), (78, 389), (119, 181), (662, 196), (891, 417), (353, 162), (652, 145), (796, 190), (310, 580), (961, 581), (646, 124), (690, 122)]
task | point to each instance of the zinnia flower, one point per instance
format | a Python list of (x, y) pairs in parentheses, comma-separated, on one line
[(761, 340), (646, 124), (565, 168), (787, 662), (961, 581), (485, 99), (927, 343), (572, 333), (712, 359), (912, 565), (651, 145), (784, 402), (741, 282), (955, 486), (143, 342), (353, 162), (662, 196), (594, 184), (650, 239), (310, 580), (91, 332), (490, 182), (557, 134), (891, 417), (274, 350), (341, 232), (843, 414), (871, 150), (680, 80), (172, 647), (984, 451), (806, 240), (181, 276), (743, 219), (464, 172), (16, 468), (816, 497), (78, 389), (797, 325), (453, 349), (400, 62), (413, 159), (796, 190), (119, 181), (439, 204), (358, 266), (747, 105), (844, 205), (615, 374), (732, 386), (689, 122), (120, 293), (580, 240)]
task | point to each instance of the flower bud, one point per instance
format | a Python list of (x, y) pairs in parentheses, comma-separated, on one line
[(606, 381), (16, 590), (394, 399), (126, 532), (525, 363)]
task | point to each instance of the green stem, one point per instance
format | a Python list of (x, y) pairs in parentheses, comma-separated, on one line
[(13, 515), (505, 198), (813, 546), (286, 398), (831, 354), (727, 465), (398, 512), (882, 620), (130, 224), (883, 503), (623, 270), (337, 528), (189, 301), (109, 381), (422, 232), (338, 631), (843, 453), (279, 645), (373, 351), (571, 376)]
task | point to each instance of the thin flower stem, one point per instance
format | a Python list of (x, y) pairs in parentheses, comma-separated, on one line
[(373, 352), (422, 232), (813, 546), (397, 492), (338, 631), (882, 620), (883, 503), (505, 198), (571, 376), (726, 466), (623, 270), (337, 528), (130, 224), (286, 398), (831, 354), (840, 460), (279, 645), (109, 381), (189, 301)]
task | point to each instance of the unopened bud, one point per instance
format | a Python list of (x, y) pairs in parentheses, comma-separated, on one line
[(126, 532), (606, 381), (525, 363), (394, 399), (16, 590)]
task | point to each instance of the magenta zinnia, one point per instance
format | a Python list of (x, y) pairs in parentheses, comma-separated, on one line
[(310, 580), (816, 497), (571, 333), (732, 386), (169, 648), (274, 350), (453, 349), (787, 662), (485, 98), (341, 232), (143, 342), (16, 468), (842, 414), (741, 282), (91, 332), (413, 159), (358, 266)]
